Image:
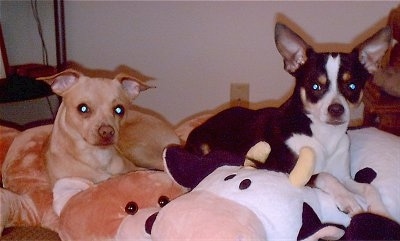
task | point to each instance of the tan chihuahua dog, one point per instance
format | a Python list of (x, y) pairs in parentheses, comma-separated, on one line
[(89, 124)]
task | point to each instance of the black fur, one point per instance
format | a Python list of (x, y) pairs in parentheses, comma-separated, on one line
[(237, 129)]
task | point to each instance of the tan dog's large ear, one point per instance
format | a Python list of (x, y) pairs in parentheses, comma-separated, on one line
[(374, 48), (291, 46), (62, 81), (132, 85)]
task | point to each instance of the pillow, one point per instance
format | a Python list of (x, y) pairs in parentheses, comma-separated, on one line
[(379, 150)]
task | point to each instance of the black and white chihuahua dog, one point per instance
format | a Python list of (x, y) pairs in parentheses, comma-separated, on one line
[(316, 115)]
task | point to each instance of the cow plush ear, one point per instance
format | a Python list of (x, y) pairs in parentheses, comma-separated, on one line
[(197, 167), (313, 229), (374, 48), (291, 46), (132, 85), (62, 81)]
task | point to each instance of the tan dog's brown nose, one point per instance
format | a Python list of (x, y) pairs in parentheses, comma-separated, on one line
[(106, 131)]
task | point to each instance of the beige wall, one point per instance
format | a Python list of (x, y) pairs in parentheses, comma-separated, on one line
[(20, 31), (195, 50)]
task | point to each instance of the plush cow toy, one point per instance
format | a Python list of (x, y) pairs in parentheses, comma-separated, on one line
[(284, 211), (238, 203)]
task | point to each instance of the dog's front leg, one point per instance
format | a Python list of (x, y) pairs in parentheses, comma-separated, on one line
[(370, 194), (345, 200)]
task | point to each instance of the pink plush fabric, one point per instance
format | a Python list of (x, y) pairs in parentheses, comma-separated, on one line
[(205, 216), (97, 212), (183, 129), (7, 136), (28, 198)]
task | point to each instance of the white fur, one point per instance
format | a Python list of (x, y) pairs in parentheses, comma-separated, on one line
[(65, 188), (328, 141), (332, 69), (319, 111)]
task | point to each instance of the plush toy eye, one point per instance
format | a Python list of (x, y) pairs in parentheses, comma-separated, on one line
[(83, 108), (119, 110), (316, 87), (131, 208), (163, 200), (352, 86)]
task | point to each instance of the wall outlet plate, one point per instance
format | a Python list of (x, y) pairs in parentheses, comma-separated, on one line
[(240, 93)]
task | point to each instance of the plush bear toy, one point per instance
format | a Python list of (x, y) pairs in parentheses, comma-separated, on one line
[(99, 211), (27, 196), (100, 208), (7, 136)]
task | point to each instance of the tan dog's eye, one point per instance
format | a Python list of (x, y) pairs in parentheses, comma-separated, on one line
[(119, 110), (83, 108)]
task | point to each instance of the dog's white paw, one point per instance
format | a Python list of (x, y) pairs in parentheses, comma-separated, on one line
[(345, 200), (347, 203)]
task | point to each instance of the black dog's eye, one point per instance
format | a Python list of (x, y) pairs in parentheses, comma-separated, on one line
[(316, 87), (83, 108), (131, 208), (352, 86), (163, 200), (119, 110)]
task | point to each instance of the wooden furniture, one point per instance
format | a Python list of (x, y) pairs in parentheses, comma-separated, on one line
[(381, 110), (4, 59)]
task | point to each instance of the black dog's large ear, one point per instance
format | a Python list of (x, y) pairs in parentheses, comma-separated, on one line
[(291, 46), (374, 48)]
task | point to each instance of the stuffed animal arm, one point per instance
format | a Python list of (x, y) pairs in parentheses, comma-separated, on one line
[(300, 174)]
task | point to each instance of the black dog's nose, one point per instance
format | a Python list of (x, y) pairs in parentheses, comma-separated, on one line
[(336, 110)]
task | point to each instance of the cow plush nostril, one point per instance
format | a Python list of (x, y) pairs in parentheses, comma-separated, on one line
[(229, 177), (131, 208), (245, 184), (336, 110)]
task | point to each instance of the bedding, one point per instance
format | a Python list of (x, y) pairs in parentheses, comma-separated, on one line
[(370, 148)]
